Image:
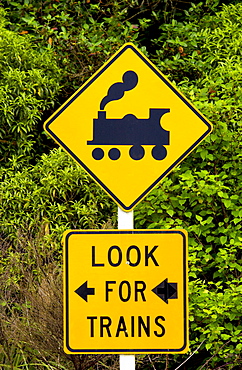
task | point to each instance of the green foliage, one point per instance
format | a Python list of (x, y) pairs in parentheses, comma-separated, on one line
[(38, 203), (28, 86), (50, 197), (215, 312), (188, 51), (203, 195), (82, 34)]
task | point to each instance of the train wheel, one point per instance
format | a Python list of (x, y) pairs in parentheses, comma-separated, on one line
[(136, 152), (114, 154), (97, 153), (159, 152)]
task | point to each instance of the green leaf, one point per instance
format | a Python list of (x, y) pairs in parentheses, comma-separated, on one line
[(208, 345), (170, 212), (223, 239)]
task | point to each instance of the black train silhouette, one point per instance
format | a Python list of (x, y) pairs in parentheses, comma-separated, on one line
[(129, 130)]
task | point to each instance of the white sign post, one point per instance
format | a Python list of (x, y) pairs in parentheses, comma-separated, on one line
[(127, 362), (126, 221)]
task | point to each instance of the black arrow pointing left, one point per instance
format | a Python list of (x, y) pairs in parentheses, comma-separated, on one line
[(166, 290), (83, 291)]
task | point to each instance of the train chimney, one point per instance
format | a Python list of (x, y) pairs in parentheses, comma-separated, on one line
[(101, 115)]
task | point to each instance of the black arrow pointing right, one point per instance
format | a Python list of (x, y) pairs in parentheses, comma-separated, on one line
[(83, 291), (166, 290)]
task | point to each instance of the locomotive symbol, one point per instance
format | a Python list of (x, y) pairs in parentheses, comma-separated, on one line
[(129, 130)]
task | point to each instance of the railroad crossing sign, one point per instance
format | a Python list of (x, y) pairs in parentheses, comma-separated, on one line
[(125, 291), (128, 126)]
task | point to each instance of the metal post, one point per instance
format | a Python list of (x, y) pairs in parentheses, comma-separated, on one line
[(127, 362), (126, 221)]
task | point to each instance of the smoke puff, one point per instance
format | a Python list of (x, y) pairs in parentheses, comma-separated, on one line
[(117, 90)]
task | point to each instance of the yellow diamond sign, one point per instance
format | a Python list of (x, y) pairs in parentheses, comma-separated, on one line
[(128, 126)]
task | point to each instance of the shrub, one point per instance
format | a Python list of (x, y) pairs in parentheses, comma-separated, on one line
[(37, 204), (28, 86), (50, 197), (203, 195)]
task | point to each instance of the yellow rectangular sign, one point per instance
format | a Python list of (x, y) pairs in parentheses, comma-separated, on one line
[(125, 291)]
